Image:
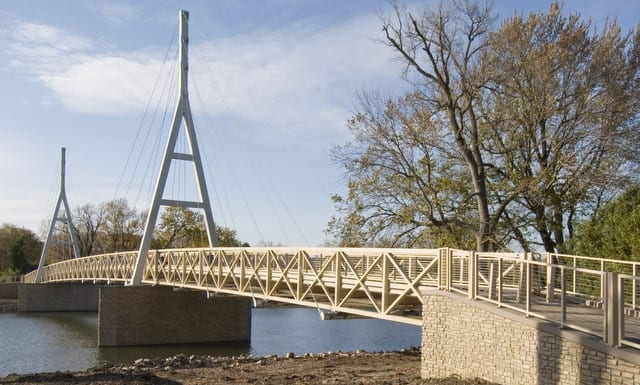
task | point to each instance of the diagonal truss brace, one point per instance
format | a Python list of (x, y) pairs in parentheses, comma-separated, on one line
[(182, 113), (62, 200)]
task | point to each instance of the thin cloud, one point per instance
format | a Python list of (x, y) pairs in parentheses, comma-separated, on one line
[(117, 13), (292, 85), (297, 85), (80, 77), (40, 48)]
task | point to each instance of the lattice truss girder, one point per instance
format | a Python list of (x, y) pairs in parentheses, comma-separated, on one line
[(381, 283)]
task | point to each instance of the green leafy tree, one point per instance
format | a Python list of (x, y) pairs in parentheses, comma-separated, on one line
[(229, 238), (122, 227), (20, 248), (19, 258), (612, 232), (562, 118), (180, 227)]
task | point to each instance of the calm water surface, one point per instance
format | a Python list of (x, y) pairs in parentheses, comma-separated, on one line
[(44, 342)]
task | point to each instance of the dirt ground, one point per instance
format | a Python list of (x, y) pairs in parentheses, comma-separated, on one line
[(397, 368)]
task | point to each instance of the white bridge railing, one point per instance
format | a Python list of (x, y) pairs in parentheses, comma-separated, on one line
[(596, 296)]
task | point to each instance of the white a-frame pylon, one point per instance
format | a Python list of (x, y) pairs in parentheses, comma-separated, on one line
[(62, 199), (182, 112)]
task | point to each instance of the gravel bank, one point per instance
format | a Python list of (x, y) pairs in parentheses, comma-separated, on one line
[(390, 368)]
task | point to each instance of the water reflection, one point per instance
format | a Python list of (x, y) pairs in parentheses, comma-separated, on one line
[(37, 342)]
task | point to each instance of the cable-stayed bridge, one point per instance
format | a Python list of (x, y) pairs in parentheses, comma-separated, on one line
[(469, 304)]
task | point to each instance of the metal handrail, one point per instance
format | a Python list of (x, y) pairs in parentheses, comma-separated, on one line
[(387, 283)]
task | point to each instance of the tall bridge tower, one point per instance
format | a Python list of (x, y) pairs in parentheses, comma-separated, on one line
[(182, 114), (62, 200)]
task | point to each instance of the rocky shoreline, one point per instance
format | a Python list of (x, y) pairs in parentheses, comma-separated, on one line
[(360, 367)]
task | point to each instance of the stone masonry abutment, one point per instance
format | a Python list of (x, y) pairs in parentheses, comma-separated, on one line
[(476, 339), (54, 297), (150, 315)]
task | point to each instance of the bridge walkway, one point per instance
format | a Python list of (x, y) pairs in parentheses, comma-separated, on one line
[(386, 283)]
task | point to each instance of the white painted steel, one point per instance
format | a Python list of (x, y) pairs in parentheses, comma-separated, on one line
[(182, 113), (380, 283), (62, 200)]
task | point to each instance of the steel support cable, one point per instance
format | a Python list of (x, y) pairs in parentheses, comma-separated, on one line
[(233, 175), (226, 157), (208, 163), (213, 81), (168, 92), (206, 159), (300, 232), (216, 88), (156, 148), (53, 190), (169, 84), (273, 208), (144, 115), (209, 72)]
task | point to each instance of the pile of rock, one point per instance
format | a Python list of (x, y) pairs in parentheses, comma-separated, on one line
[(182, 361)]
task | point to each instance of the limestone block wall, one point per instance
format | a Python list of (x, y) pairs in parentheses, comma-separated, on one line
[(475, 339), (148, 315), (57, 297)]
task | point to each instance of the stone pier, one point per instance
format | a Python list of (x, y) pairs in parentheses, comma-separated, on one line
[(57, 297), (8, 297), (9, 290), (151, 315), (475, 339)]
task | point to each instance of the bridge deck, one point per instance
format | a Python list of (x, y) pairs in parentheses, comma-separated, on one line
[(379, 283)]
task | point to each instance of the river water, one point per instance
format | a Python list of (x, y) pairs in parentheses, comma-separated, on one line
[(45, 342)]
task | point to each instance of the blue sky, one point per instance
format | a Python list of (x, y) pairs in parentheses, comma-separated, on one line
[(272, 86)]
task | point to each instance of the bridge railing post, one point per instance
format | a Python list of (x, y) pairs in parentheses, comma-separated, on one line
[(528, 284), (563, 289), (613, 308), (386, 285), (634, 288), (473, 275), (499, 277), (602, 282), (551, 281), (523, 277), (449, 268), (338, 271)]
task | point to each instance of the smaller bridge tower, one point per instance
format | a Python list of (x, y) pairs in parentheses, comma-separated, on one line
[(182, 113), (62, 199)]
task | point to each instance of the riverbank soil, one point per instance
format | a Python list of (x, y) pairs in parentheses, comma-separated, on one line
[(397, 368)]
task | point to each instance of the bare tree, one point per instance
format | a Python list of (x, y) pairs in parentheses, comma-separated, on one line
[(563, 117), (407, 187), (88, 220), (122, 226), (441, 49), (510, 134)]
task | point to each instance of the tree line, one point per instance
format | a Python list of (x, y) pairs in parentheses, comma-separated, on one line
[(106, 228), (513, 135)]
